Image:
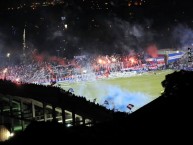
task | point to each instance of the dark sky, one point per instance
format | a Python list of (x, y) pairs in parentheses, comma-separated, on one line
[(114, 30), (186, 3)]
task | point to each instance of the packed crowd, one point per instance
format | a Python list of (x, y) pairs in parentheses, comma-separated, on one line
[(183, 63), (38, 70), (81, 68)]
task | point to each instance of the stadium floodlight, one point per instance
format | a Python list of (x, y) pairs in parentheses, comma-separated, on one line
[(8, 54), (65, 26)]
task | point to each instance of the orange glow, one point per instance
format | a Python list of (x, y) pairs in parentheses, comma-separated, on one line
[(152, 50), (132, 60), (100, 61)]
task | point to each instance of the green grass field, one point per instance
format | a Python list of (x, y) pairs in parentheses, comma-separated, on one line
[(148, 84)]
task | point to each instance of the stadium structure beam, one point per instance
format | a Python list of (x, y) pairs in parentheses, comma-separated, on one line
[(44, 112), (22, 115), (54, 112), (73, 119), (33, 110), (63, 116)]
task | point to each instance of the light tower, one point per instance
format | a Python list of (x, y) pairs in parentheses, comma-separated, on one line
[(24, 41)]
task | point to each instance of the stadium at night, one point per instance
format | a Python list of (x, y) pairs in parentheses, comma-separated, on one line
[(128, 79), (91, 69)]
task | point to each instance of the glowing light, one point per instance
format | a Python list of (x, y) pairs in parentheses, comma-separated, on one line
[(60, 121), (17, 80), (84, 71), (132, 60), (7, 134), (5, 70), (114, 60), (152, 50), (65, 26), (104, 62), (11, 134), (69, 125), (4, 133), (100, 61), (8, 54)]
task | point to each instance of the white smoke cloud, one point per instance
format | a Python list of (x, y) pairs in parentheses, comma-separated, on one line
[(182, 36), (120, 98), (131, 35), (115, 95), (137, 31), (54, 34)]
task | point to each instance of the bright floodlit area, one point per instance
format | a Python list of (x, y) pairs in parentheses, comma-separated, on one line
[(139, 89), (95, 71)]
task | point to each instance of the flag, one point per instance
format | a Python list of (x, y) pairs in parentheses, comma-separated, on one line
[(52, 83), (130, 106), (106, 102), (71, 90)]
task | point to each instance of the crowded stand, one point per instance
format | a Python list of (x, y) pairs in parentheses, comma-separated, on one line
[(182, 64), (90, 68)]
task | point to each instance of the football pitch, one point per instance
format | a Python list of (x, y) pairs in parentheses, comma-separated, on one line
[(148, 84)]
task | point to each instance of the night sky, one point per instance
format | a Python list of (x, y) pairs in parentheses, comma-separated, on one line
[(94, 26)]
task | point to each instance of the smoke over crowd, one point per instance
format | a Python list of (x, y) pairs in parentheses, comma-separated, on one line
[(114, 36), (54, 38), (182, 36), (88, 34)]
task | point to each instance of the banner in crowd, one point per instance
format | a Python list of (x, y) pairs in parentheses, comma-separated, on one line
[(153, 67), (80, 57), (174, 57)]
